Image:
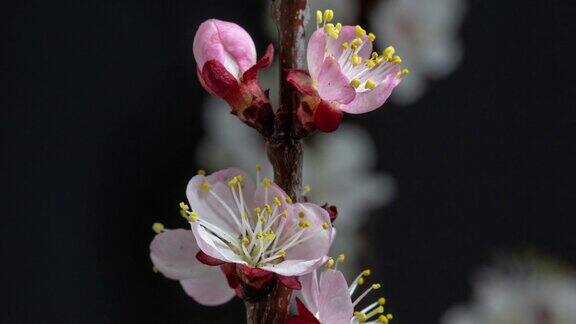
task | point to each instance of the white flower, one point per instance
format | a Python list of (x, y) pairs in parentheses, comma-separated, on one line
[(524, 294), (426, 33), (334, 166)]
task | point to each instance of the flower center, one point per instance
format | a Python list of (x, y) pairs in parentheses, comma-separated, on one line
[(264, 234), (364, 74)]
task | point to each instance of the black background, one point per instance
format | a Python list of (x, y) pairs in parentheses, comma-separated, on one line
[(100, 117)]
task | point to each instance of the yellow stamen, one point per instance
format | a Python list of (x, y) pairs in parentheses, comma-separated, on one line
[(359, 31), (201, 172), (205, 186), (376, 286), (304, 224), (183, 206), (158, 228), (388, 52), (277, 201), (396, 59), (307, 189), (345, 45), (193, 216), (301, 214), (341, 258), (381, 301), (371, 37), (370, 85), (329, 264), (370, 63), (155, 270), (258, 168), (318, 17), (325, 226), (282, 253), (360, 281), (361, 317), (366, 272), (328, 15), (375, 311), (338, 27), (355, 83), (356, 59), (268, 209), (245, 241), (356, 42), (233, 183), (266, 183), (331, 30), (288, 200)]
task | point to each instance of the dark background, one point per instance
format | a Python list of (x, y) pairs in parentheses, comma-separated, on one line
[(100, 118)]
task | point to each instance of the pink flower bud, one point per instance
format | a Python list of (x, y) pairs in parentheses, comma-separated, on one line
[(227, 68)]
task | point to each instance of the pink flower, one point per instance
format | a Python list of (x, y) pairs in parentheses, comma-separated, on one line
[(344, 75), (328, 300), (226, 58), (254, 232)]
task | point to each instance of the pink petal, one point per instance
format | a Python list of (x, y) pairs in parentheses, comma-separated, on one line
[(217, 80), (327, 117), (302, 81), (373, 99), (208, 207), (213, 246), (173, 252), (316, 52), (321, 238), (295, 267), (208, 260), (335, 305), (310, 290), (209, 288), (226, 42), (333, 85), (347, 34)]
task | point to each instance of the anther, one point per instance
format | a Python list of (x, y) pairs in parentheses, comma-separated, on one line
[(356, 59), (205, 186), (381, 301), (304, 224), (328, 15), (201, 172), (345, 45), (318, 17), (288, 200), (329, 264), (184, 206), (307, 189), (258, 167), (325, 226), (277, 201), (158, 228), (376, 286), (355, 83), (396, 59), (359, 31), (331, 31), (301, 214), (370, 85), (155, 269), (371, 37), (341, 258), (388, 52), (266, 183), (282, 253), (193, 216), (366, 272)]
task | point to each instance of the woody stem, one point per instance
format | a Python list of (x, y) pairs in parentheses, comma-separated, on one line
[(284, 150)]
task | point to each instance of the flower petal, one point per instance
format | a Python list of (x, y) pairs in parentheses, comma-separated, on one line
[(335, 305), (316, 52), (211, 208), (310, 290), (173, 252), (226, 42), (217, 80), (213, 245), (320, 238), (373, 99), (295, 267), (302, 81), (209, 288), (333, 85)]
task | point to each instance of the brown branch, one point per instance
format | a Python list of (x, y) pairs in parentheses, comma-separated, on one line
[(284, 151)]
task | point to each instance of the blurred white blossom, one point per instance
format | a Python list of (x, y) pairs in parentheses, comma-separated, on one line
[(425, 34), (339, 167), (529, 292)]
